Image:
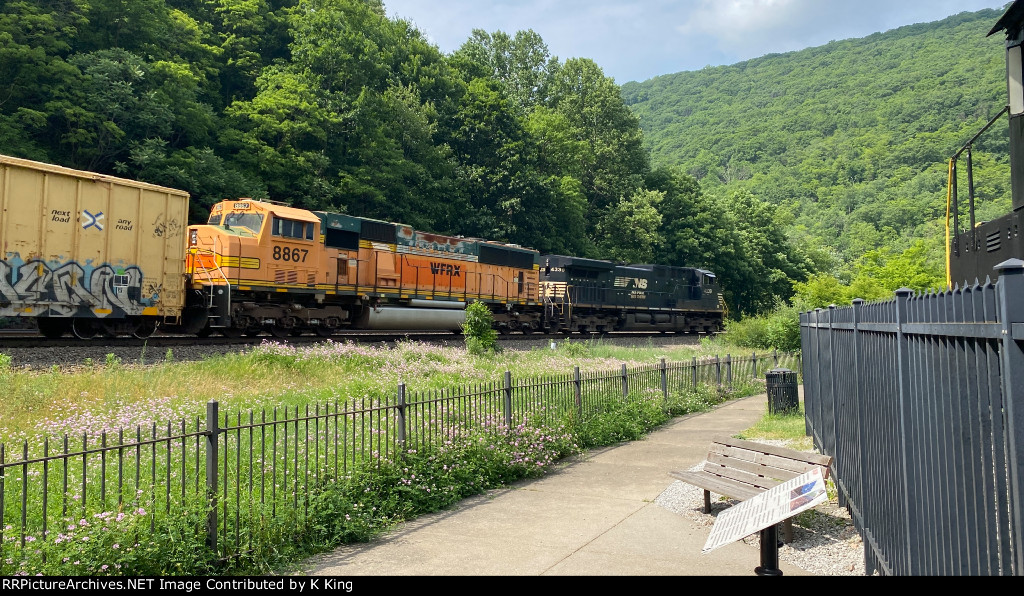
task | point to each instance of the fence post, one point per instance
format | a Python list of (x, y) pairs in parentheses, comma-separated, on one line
[(816, 431), (578, 389), (664, 381), (401, 419), (508, 399), (858, 398), (728, 370), (775, 355), (1011, 288), (903, 393), (625, 382), (212, 432), (718, 372), (755, 375), (694, 371), (834, 447)]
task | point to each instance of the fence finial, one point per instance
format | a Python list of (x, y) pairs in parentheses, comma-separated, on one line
[(1010, 266)]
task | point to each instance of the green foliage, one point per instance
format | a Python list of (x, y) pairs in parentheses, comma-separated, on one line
[(120, 543), (331, 104), (875, 276), (481, 337), (631, 228), (777, 330), (620, 421), (112, 361), (849, 141)]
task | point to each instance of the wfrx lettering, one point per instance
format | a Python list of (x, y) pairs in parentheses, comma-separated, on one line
[(446, 269)]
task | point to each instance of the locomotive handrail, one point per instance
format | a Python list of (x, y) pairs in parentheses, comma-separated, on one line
[(953, 203), (206, 270)]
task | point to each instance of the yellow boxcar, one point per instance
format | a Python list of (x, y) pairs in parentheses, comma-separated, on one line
[(87, 253)]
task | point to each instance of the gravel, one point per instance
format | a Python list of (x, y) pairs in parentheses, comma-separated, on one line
[(825, 541)]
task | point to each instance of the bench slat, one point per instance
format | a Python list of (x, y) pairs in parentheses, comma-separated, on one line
[(779, 474), (744, 458), (718, 485), (810, 458), (762, 483)]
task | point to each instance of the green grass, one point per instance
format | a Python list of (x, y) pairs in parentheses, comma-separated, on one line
[(338, 506), (786, 427)]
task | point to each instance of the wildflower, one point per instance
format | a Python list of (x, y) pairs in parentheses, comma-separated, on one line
[(116, 546)]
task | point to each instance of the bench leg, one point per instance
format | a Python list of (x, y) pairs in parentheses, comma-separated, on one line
[(707, 501), (787, 530)]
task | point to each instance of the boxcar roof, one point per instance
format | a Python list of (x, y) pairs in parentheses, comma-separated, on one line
[(96, 177)]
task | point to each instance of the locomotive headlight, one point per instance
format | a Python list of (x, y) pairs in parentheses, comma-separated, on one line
[(193, 238)]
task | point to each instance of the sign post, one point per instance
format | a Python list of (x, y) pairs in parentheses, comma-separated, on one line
[(763, 512)]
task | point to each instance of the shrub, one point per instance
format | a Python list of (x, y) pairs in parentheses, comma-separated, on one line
[(481, 337), (620, 421), (778, 330)]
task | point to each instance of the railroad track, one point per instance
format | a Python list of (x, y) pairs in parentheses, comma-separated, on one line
[(26, 340)]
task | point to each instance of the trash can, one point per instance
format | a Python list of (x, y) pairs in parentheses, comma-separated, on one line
[(782, 391)]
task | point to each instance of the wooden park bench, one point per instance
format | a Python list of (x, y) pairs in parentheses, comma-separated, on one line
[(741, 469)]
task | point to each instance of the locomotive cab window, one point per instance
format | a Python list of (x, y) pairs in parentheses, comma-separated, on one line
[(249, 221), (288, 228), (214, 219)]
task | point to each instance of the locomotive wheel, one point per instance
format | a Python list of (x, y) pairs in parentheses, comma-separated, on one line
[(53, 328), (83, 328), (280, 332), (205, 332), (323, 331), (232, 332)]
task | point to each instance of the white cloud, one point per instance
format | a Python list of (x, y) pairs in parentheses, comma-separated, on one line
[(635, 40)]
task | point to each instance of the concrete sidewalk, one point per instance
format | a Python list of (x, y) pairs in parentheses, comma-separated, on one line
[(592, 515)]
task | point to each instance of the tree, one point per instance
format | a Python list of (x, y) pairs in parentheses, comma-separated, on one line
[(629, 232), (521, 64), (611, 161)]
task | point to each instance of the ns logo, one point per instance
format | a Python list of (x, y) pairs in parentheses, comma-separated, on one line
[(635, 282)]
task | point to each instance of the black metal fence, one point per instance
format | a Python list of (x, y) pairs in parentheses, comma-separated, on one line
[(920, 402), (239, 468)]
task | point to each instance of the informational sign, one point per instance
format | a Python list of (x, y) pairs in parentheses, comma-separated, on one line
[(767, 509)]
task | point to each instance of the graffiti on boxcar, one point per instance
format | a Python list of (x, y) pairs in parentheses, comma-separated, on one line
[(71, 288), (169, 229)]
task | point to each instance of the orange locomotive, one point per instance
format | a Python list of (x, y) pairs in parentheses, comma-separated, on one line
[(262, 266)]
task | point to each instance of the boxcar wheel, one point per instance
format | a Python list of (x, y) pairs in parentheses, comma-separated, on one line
[(83, 328), (144, 329), (53, 328)]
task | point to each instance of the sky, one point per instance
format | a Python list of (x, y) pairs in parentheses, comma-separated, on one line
[(635, 40)]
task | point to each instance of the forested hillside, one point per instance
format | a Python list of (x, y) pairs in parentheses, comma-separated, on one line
[(771, 172), (849, 140), (330, 104)]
